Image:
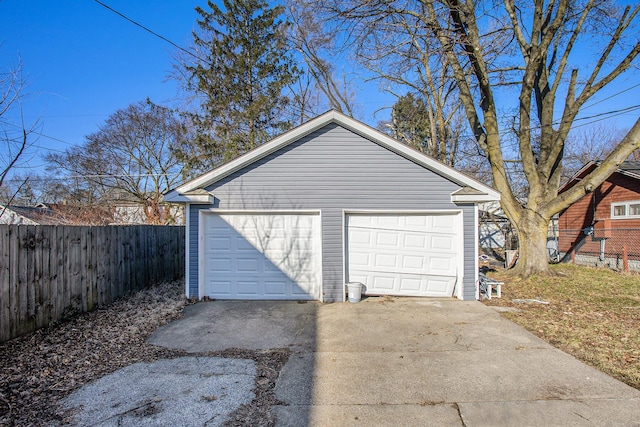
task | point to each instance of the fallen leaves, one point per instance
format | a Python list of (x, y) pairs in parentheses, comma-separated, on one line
[(45, 366), (41, 368)]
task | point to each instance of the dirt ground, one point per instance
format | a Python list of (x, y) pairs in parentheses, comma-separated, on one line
[(41, 368)]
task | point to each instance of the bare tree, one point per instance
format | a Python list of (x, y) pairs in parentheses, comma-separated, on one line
[(396, 50), (532, 48), (584, 144), (318, 49), (128, 159), (13, 136)]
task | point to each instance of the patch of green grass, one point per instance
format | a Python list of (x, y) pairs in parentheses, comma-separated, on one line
[(593, 314)]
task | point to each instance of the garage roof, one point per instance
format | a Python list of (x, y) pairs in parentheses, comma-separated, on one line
[(471, 191)]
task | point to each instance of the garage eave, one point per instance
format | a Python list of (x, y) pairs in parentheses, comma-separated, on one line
[(471, 195), (193, 197)]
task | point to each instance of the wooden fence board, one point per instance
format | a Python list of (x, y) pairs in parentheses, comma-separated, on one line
[(22, 287), (92, 279), (114, 271), (5, 305), (101, 252), (61, 274), (84, 264), (41, 273), (30, 244), (47, 272), (14, 267), (54, 272)]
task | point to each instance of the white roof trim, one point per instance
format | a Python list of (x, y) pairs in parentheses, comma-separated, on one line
[(175, 197), (473, 198), (315, 124)]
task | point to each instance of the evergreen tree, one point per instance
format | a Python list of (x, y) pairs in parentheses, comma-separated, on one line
[(239, 81), (417, 124), (410, 122)]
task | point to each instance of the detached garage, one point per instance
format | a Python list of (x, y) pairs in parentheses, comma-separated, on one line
[(330, 202)]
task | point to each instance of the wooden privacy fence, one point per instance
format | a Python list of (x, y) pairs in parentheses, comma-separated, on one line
[(48, 271)]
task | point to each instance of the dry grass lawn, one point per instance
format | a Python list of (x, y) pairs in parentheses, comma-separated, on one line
[(593, 314)]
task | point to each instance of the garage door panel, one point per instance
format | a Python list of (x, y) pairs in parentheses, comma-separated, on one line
[(220, 243), (413, 262), (410, 284), (386, 260), (359, 259), (362, 237), (416, 255), (443, 243), (220, 287), (444, 223), (444, 266), (248, 287), (261, 256), (413, 241), (387, 239), (416, 222), (275, 287), (383, 282), (219, 265)]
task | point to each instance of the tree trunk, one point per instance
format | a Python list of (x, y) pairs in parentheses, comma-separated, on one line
[(532, 232)]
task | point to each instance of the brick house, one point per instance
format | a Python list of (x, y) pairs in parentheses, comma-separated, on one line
[(602, 224)]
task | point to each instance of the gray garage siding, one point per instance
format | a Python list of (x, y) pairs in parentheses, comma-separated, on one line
[(470, 262), (330, 170)]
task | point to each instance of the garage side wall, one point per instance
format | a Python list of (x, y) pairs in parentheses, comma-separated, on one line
[(332, 170), (470, 212)]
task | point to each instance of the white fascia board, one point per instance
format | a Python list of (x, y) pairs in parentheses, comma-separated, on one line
[(175, 197), (474, 198)]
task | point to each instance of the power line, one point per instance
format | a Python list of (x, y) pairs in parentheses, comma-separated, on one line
[(612, 96), (161, 37), (612, 112), (44, 136), (68, 177)]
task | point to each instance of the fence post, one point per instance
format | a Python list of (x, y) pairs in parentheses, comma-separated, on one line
[(625, 259)]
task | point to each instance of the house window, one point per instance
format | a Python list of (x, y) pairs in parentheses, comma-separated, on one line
[(619, 211), (625, 210)]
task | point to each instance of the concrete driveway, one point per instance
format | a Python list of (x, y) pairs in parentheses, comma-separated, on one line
[(408, 361)]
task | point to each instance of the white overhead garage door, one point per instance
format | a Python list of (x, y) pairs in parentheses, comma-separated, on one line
[(269, 256), (409, 255)]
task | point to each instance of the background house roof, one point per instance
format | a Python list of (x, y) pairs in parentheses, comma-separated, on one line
[(628, 168), (28, 215)]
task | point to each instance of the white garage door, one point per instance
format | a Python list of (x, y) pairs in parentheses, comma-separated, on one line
[(410, 255), (260, 256)]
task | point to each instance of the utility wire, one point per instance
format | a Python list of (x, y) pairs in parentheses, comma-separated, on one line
[(612, 96), (65, 178), (161, 37), (44, 136)]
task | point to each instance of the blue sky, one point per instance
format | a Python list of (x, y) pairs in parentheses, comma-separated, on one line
[(83, 62)]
